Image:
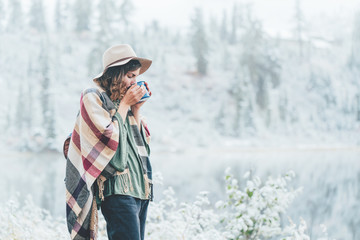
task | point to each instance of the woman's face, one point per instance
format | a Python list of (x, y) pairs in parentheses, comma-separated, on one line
[(130, 77)]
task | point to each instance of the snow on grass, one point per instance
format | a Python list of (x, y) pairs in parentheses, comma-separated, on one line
[(255, 211)]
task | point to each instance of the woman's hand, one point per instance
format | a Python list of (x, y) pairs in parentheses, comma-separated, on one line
[(133, 95), (137, 105)]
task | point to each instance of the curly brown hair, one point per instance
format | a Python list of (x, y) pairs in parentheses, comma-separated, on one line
[(111, 80)]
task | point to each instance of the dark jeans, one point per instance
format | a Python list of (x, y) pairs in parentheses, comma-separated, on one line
[(125, 217)]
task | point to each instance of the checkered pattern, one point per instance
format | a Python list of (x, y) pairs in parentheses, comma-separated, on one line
[(93, 143)]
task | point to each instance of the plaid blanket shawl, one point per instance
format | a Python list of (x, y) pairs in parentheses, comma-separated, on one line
[(93, 143)]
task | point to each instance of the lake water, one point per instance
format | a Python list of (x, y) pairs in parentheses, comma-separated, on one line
[(330, 178)]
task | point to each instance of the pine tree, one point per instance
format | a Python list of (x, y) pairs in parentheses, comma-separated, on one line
[(29, 99), (82, 10), (16, 18), (2, 15), (20, 109), (219, 120), (51, 131), (299, 18), (251, 60), (224, 27), (354, 62), (46, 100), (37, 18), (225, 60), (240, 94), (199, 42), (214, 27), (354, 59), (24, 112), (261, 67), (104, 35), (59, 17), (237, 94), (67, 17), (106, 20), (234, 25), (126, 7)]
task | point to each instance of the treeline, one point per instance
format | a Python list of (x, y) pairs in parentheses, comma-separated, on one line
[(294, 84)]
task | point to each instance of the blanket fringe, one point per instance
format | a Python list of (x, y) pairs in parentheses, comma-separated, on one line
[(125, 180), (147, 185), (94, 218), (100, 182)]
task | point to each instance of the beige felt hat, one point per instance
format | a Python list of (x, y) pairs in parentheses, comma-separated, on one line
[(119, 55)]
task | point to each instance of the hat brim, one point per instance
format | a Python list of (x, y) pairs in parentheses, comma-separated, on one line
[(145, 64)]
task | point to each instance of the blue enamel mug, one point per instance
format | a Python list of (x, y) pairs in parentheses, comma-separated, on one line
[(146, 95)]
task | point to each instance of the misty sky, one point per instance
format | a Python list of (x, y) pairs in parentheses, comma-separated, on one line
[(276, 14)]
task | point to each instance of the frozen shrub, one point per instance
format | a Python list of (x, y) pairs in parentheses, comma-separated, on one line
[(192, 221), (29, 222), (255, 211)]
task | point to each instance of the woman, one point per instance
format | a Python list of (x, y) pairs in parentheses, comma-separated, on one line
[(107, 159)]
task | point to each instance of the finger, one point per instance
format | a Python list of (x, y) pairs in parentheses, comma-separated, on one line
[(132, 87), (139, 89), (135, 89), (139, 92)]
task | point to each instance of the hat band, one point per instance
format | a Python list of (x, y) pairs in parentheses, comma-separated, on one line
[(120, 60)]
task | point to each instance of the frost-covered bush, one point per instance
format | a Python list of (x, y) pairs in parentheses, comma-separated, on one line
[(194, 221), (255, 211), (29, 222), (292, 232)]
